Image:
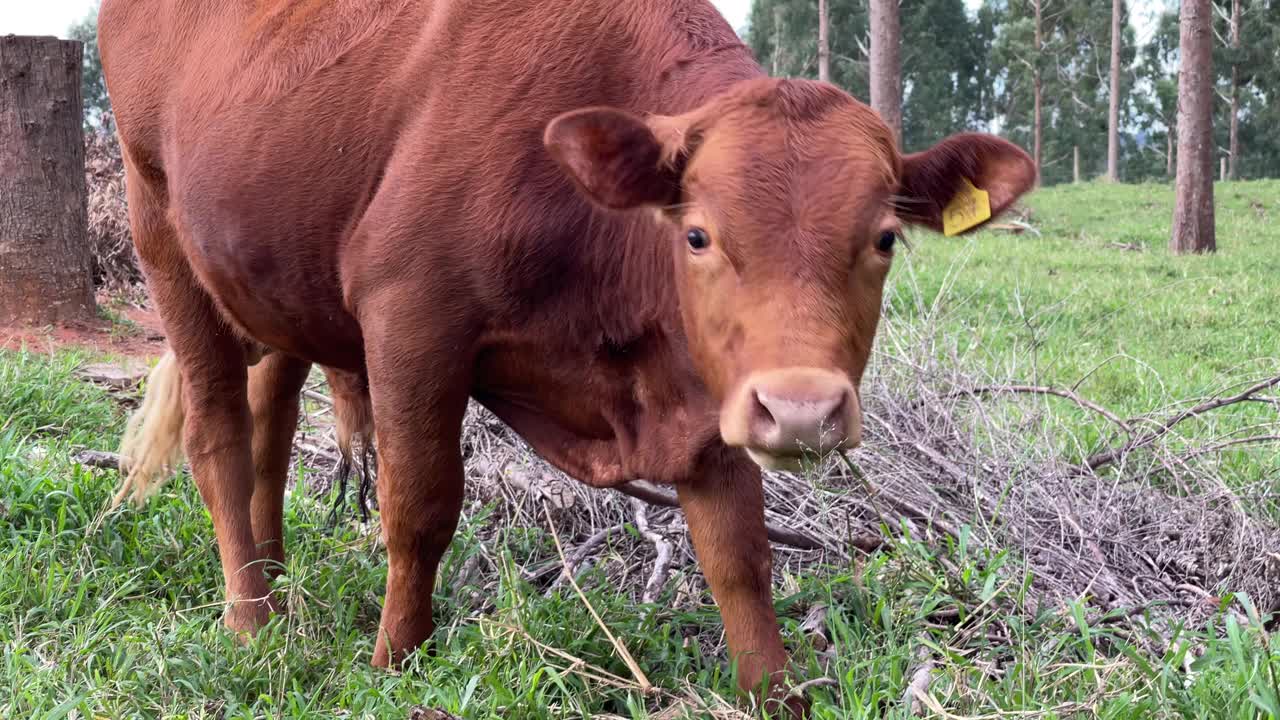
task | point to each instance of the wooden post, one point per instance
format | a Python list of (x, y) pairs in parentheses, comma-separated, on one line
[(1075, 164), (45, 260), (1222, 169)]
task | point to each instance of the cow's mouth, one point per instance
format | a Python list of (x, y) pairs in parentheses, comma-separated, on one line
[(778, 462)]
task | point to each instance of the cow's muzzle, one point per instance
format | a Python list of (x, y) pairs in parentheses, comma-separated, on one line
[(781, 416)]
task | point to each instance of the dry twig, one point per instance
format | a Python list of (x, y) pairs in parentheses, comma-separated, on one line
[(663, 548), (636, 672), (1100, 460), (1040, 390)]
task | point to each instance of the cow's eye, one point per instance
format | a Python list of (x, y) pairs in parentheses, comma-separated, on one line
[(698, 239), (887, 240)]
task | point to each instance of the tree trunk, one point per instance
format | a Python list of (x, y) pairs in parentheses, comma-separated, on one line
[(778, 11), (824, 48), (1233, 147), (1222, 172), (1113, 111), (1075, 164), (45, 275), (1037, 87), (1193, 222), (886, 64), (1168, 152)]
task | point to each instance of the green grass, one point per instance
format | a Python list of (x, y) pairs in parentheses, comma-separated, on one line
[(1145, 327), (123, 620), (1096, 303)]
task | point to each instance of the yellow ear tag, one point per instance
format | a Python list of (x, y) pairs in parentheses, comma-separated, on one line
[(969, 207)]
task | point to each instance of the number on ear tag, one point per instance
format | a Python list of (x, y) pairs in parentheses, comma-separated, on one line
[(970, 207)]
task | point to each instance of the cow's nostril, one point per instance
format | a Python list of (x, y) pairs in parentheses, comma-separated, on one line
[(763, 423)]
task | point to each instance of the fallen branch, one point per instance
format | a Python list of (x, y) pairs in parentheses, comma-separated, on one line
[(574, 565), (1102, 459), (814, 627), (1231, 443), (804, 687), (654, 495), (98, 459), (318, 397), (663, 548), (1040, 390), (918, 689)]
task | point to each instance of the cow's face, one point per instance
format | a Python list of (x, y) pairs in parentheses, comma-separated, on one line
[(783, 202)]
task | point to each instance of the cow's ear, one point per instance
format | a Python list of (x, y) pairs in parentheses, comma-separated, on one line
[(614, 158), (962, 182)]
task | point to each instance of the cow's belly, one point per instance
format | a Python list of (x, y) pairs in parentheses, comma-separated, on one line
[(262, 226), (286, 300)]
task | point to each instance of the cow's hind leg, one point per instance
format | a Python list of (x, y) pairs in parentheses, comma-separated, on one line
[(216, 424), (275, 384)]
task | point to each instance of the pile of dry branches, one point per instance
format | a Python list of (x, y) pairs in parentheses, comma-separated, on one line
[(115, 267), (1141, 521)]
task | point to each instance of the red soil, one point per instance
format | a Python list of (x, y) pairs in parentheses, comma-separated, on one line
[(144, 339)]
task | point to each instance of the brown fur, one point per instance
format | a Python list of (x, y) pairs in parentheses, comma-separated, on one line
[(436, 200)]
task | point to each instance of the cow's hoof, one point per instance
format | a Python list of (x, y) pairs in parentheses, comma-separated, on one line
[(787, 707), (246, 617)]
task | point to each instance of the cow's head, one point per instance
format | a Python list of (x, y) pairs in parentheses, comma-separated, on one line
[(783, 201)]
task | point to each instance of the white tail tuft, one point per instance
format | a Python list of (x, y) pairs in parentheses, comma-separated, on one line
[(151, 449)]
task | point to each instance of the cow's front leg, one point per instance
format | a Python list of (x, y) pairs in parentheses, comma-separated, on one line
[(724, 506), (419, 392)]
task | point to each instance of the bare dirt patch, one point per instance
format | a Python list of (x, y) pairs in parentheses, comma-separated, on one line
[(138, 333)]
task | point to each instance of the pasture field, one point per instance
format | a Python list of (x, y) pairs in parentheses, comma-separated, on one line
[(122, 619)]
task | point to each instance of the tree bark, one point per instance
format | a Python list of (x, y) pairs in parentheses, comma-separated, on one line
[(778, 11), (1193, 221), (824, 47), (1037, 86), (1233, 146), (886, 64), (1113, 111), (45, 275)]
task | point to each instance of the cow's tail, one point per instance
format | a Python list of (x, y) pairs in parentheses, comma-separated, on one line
[(151, 449)]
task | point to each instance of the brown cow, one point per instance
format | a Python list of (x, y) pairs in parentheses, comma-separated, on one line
[(599, 219)]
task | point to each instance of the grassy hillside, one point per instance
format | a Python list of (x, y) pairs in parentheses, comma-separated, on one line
[(123, 620), (1097, 296)]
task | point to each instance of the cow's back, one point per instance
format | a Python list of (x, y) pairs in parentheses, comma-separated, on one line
[(265, 126), (284, 130)]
